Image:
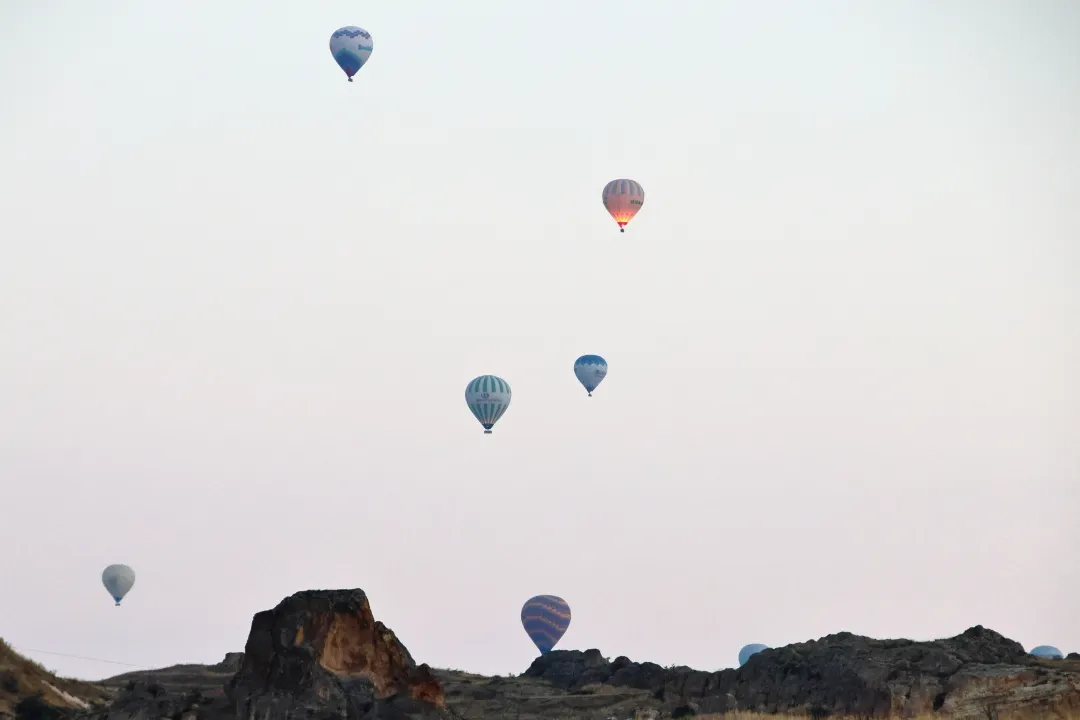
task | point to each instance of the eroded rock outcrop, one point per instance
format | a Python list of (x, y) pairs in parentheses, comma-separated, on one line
[(846, 674), (318, 654), (321, 653)]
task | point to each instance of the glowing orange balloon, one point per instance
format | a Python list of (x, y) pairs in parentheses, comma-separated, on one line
[(623, 198)]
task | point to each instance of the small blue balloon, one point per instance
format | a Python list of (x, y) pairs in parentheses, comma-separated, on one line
[(1047, 652), (590, 371), (751, 649)]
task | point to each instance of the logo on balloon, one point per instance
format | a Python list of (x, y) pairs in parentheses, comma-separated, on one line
[(483, 396)]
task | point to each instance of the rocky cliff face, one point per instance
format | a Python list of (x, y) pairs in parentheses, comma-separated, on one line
[(322, 652), (321, 655), (318, 654), (968, 675)]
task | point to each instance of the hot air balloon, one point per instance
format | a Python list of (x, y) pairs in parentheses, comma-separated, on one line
[(591, 371), (545, 618), (1047, 652), (623, 198), (351, 47), (751, 649), (488, 397), (118, 580)]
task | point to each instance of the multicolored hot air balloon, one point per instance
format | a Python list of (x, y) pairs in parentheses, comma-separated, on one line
[(591, 371), (488, 397), (1047, 652), (623, 198), (118, 580), (351, 47), (545, 618), (751, 649)]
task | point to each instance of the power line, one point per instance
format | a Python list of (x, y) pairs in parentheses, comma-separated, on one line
[(81, 657)]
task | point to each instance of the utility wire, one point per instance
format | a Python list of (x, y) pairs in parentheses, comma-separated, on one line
[(82, 657)]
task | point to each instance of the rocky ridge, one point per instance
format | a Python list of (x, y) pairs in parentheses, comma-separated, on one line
[(321, 654), (978, 673), (318, 654)]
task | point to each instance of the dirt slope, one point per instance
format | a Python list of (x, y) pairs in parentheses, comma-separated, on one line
[(29, 690)]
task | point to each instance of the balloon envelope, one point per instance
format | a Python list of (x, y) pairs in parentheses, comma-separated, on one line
[(623, 198), (488, 397), (748, 650), (118, 580), (591, 371), (1048, 652), (545, 619), (351, 47)]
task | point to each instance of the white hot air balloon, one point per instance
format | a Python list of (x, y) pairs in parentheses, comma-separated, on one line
[(118, 580)]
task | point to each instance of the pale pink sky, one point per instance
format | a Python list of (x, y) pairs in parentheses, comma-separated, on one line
[(240, 299)]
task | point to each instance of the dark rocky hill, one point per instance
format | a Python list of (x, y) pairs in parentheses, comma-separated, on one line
[(976, 674), (321, 654)]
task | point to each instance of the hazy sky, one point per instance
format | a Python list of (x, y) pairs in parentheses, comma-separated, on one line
[(240, 300)]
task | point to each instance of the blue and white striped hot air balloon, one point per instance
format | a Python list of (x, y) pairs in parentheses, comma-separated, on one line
[(488, 397), (591, 371), (545, 619)]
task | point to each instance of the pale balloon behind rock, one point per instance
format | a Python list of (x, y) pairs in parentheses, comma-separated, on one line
[(750, 650)]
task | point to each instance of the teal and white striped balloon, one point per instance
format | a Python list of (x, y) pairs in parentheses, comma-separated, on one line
[(488, 397)]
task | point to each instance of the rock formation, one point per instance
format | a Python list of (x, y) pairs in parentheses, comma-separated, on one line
[(321, 652), (318, 654), (321, 655), (846, 674)]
